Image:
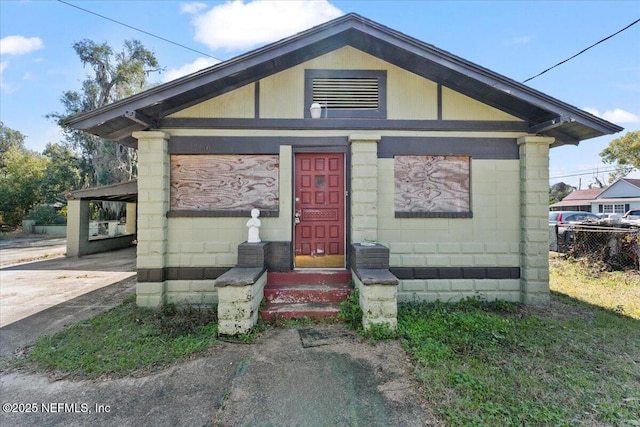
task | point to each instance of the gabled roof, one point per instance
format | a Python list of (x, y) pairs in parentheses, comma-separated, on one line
[(588, 194), (622, 188), (634, 182), (579, 198), (543, 114)]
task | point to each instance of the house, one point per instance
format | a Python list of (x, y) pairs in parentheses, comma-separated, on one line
[(423, 175), (618, 198), (577, 200)]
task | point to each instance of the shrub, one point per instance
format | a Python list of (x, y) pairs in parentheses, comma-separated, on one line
[(46, 215)]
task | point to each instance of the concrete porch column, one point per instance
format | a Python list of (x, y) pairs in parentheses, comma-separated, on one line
[(364, 187), (534, 219), (153, 205)]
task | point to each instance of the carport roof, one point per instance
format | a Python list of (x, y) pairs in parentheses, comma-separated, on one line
[(124, 192), (542, 114)]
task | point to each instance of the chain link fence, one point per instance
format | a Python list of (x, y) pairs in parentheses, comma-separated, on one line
[(616, 246)]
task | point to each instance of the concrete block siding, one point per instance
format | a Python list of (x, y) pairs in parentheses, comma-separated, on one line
[(457, 289), (491, 238)]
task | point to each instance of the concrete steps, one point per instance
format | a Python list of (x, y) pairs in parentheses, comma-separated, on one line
[(296, 295)]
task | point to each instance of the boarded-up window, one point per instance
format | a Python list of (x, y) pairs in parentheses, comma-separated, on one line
[(432, 186), (233, 183)]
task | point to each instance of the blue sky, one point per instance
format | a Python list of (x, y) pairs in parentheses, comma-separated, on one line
[(515, 38)]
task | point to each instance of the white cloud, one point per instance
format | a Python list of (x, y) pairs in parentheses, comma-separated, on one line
[(19, 45), (616, 115), (517, 41), (196, 65), (192, 8), (240, 25), (3, 86)]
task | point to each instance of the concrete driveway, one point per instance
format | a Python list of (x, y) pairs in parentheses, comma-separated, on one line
[(27, 288), (23, 249)]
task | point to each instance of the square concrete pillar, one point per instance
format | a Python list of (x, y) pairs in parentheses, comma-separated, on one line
[(534, 219), (364, 182), (153, 205)]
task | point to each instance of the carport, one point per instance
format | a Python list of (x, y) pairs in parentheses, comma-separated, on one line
[(79, 239)]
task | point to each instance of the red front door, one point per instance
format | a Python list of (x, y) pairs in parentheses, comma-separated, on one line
[(319, 238)]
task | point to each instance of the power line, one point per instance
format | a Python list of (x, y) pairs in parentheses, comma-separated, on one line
[(138, 29), (583, 50), (592, 172)]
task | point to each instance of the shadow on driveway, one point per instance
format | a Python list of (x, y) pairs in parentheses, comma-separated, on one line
[(27, 289)]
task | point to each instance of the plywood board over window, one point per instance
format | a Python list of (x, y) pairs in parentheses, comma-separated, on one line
[(231, 184), (432, 186)]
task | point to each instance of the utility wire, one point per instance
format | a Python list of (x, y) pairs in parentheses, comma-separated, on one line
[(593, 172), (138, 29), (583, 51)]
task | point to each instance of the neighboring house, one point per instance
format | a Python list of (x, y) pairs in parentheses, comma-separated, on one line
[(618, 198), (577, 200), (440, 160)]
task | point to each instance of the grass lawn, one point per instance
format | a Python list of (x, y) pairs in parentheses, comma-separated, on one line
[(572, 363), (616, 290), (575, 362), (122, 341)]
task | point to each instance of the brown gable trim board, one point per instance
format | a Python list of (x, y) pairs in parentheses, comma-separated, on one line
[(389, 146), (338, 123), (477, 148), (247, 144), (220, 214)]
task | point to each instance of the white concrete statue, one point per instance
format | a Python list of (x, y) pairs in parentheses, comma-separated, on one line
[(254, 227)]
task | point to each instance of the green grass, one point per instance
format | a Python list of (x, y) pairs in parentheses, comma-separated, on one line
[(124, 340), (590, 282), (504, 364)]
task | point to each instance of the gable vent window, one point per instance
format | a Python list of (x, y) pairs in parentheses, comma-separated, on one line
[(347, 93)]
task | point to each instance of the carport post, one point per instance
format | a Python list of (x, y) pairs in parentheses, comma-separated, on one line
[(131, 226), (77, 227)]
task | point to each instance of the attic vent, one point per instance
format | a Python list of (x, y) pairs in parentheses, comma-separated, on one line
[(347, 93)]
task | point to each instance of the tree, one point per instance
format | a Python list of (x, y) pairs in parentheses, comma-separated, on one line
[(28, 178), (625, 153), (559, 191), (116, 75), (9, 138), (61, 175), (21, 181)]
